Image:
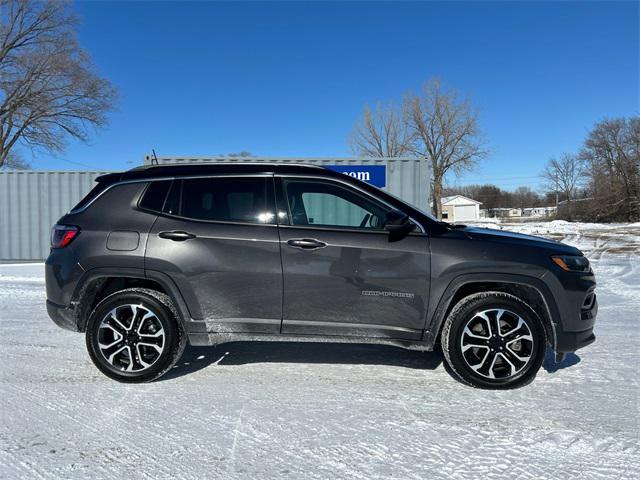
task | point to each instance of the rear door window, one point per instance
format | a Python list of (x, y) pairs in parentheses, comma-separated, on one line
[(232, 199)]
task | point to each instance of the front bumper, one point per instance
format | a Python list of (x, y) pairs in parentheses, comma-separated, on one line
[(573, 308), (570, 341)]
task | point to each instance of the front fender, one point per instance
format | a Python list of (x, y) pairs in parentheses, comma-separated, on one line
[(440, 309)]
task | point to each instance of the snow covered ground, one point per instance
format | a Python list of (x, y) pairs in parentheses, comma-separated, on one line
[(252, 410)]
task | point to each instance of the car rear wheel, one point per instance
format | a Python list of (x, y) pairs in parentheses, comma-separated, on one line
[(493, 340), (133, 335)]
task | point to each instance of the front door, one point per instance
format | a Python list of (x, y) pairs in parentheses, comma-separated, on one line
[(218, 240), (342, 274)]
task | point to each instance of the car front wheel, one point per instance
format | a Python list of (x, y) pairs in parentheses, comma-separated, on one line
[(493, 340)]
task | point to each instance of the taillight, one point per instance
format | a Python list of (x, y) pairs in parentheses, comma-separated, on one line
[(63, 235)]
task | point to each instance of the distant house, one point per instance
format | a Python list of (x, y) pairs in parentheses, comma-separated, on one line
[(458, 208), (528, 212), (538, 211), (505, 212)]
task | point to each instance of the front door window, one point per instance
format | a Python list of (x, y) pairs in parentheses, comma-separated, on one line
[(319, 203)]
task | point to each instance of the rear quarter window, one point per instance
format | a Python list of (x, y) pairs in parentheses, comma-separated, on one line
[(91, 196), (155, 195)]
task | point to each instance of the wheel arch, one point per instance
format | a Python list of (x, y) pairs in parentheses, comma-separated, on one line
[(98, 283), (530, 290)]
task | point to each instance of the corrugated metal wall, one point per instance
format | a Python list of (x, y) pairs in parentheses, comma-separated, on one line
[(30, 203), (407, 178)]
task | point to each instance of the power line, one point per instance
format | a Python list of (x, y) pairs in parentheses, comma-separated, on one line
[(77, 163), (484, 179), (72, 162), (499, 185), (501, 195)]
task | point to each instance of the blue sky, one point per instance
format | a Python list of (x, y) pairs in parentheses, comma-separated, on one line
[(290, 79)]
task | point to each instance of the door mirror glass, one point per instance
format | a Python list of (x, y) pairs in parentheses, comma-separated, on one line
[(395, 218), (398, 225)]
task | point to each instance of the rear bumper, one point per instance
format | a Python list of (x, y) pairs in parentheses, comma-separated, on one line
[(62, 272), (62, 316)]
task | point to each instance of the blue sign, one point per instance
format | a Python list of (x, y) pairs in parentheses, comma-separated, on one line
[(373, 174)]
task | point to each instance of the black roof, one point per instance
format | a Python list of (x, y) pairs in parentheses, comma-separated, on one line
[(195, 169)]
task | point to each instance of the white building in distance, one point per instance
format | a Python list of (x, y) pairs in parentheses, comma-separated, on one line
[(458, 208)]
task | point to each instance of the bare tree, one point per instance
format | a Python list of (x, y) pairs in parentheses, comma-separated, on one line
[(240, 154), (50, 90), (612, 152), (382, 133), (493, 197), (564, 176), (445, 130), (524, 197), (15, 161)]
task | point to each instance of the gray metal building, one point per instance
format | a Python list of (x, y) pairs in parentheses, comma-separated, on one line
[(32, 201)]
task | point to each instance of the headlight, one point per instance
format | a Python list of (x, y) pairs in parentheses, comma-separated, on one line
[(571, 263)]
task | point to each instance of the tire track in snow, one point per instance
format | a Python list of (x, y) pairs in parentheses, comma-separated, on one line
[(98, 429)]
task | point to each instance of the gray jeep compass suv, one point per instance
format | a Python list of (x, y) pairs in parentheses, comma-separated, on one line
[(157, 256)]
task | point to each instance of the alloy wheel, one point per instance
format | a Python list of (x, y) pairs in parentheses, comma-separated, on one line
[(497, 343), (131, 338)]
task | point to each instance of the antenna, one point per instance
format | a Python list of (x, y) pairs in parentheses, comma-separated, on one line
[(154, 160)]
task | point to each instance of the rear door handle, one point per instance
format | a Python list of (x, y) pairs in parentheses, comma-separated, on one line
[(306, 243), (177, 235)]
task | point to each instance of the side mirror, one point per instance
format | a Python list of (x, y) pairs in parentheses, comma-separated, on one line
[(398, 225)]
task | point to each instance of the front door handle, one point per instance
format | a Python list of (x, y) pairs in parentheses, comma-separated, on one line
[(306, 243), (177, 235)]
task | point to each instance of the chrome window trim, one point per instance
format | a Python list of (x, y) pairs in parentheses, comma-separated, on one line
[(220, 222), (345, 229)]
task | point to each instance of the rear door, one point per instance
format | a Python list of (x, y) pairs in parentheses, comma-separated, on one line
[(342, 274), (218, 240)]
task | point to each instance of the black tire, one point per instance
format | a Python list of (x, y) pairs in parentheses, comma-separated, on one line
[(164, 319), (468, 363)]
